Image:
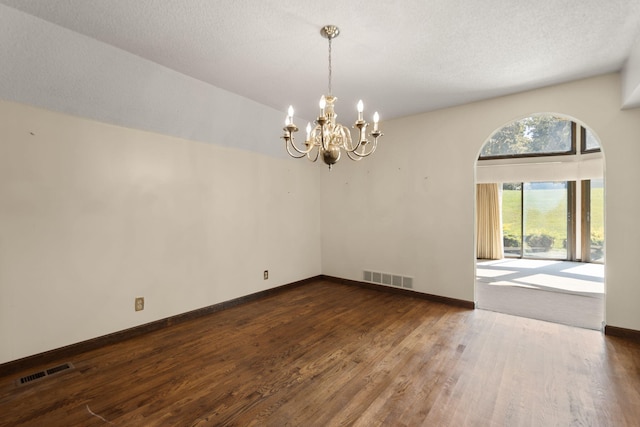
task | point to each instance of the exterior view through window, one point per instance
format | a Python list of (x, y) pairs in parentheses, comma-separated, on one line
[(532, 136), (596, 221), (535, 219)]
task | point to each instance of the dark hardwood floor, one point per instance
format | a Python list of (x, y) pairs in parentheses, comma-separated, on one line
[(331, 354)]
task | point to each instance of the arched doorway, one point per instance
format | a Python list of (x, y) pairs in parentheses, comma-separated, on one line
[(547, 175)]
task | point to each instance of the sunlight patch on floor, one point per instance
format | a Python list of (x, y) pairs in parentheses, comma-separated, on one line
[(547, 281), (483, 272), (593, 270), (520, 263), (503, 283)]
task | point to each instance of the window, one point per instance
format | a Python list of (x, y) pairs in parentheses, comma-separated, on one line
[(588, 142), (532, 136), (534, 219), (512, 218), (593, 220), (542, 216)]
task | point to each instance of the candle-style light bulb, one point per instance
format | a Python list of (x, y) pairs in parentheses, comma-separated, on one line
[(308, 131), (360, 109), (323, 103), (290, 112), (376, 119), (289, 120)]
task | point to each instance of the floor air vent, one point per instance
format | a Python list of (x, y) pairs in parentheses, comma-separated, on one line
[(46, 373), (32, 377), (388, 279), (59, 368)]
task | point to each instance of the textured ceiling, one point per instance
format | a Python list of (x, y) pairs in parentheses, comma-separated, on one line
[(401, 57)]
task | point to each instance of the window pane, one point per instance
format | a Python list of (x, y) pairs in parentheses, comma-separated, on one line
[(591, 143), (597, 220), (531, 136), (545, 220), (512, 218)]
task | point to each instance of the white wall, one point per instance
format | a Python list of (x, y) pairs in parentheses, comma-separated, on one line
[(48, 66), (187, 214), (93, 215), (631, 77), (409, 209)]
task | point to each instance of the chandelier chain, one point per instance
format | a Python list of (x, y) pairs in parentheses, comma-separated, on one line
[(330, 70)]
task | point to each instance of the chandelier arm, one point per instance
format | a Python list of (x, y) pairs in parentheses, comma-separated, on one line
[(353, 149), (290, 141), (354, 158), (362, 126), (317, 154), (366, 153), (292, 154), (303, 152)]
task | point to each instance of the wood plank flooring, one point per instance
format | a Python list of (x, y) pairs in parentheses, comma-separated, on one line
[(327, 354)]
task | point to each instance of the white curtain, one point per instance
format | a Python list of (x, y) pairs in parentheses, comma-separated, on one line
[(488, 222)]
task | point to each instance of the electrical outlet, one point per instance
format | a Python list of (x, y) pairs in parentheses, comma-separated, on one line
[(266, 274), (139, 303)]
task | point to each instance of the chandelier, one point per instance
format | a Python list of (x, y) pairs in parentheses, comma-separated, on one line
[(328, 139)]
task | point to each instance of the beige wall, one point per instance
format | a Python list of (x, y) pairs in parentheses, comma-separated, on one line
[(409, 209), (93, 215)]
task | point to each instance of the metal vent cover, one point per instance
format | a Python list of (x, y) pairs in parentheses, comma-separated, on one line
[(387, 279), (407, 282), (45, 373)]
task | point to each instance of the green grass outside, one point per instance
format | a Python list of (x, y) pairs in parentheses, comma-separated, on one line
[(546, 213), (597, 212)]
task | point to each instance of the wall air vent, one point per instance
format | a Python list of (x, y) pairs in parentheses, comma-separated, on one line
[(407, 282), (376, 277), (387, 279), (42, 374)]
